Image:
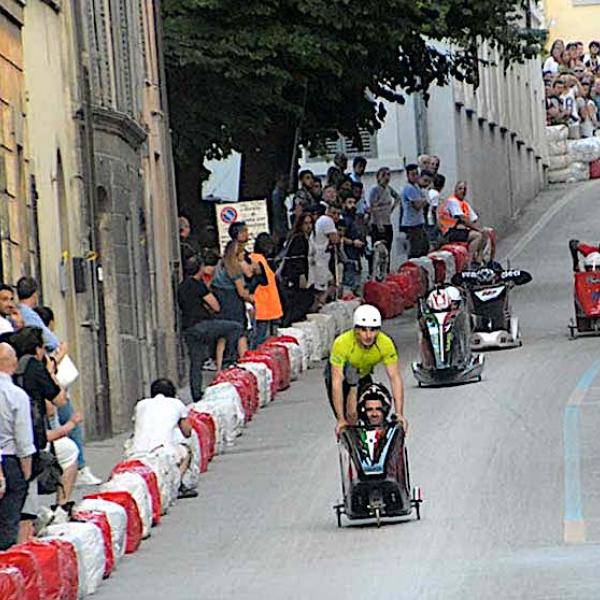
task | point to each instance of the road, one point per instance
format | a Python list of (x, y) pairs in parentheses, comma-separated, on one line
[(490, 458)]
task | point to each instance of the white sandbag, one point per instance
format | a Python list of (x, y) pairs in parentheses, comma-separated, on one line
[(303, 342), (191, 477), (578, 171), (559, 176), (136, 485), (449, 261), (557, 133), (557, 148), (338, 312), (314, 341), (264, 378), (326, 324), (351, 306), (555, 163), (585, 150), (224, 401), (89, 547), (426, 263), (164, 464), (117, 519), (295, 354)]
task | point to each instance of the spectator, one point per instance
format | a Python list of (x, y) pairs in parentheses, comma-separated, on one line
[(460, 223), (345, 188), (324, 237), (334, 176), (210, 262), (340, 160), (424, 162), (229, 288), (268, 303), (161, 421), (303, 200), (65, 415), (555, 60), (32, 375), (586, 108), (7, 308), (359, 166), (253, 273), (201, 330), (279, 220), (16, 448), (414, 204), (595, 94), (382, 201), (188, 245), (435, 164), (433, 199), (317, 190), (293, 272), (592, 59), (27, 292), (352, 244)]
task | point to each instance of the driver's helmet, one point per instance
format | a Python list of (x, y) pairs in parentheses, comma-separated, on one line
[(592, 262), (486, 275), (439, 300), (375, 391)]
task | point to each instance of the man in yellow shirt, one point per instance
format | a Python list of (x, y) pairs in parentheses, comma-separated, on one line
[(354, 355)]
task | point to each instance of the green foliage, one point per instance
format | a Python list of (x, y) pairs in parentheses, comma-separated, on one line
[(240, 69)]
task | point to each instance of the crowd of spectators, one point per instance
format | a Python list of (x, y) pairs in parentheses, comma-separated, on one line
[(40, 433), (324, 239), (572, 83)]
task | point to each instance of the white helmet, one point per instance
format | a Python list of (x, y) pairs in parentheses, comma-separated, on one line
[(367, 316), (592, 261), (438, 300), (454, 293)]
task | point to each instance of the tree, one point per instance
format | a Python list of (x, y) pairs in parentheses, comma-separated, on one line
[(244, 74)]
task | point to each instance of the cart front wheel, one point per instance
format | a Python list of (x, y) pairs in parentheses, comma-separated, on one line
[(378, 517)]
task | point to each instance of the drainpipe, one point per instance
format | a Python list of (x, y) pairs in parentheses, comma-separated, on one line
[(86, 131)]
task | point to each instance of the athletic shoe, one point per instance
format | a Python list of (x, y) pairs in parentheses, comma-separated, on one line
[(86, 477), (185, 492), (209, 365)]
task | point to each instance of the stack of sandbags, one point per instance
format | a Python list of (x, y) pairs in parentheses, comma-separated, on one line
[(303, 341), (264, 378), (223, 402), (313, 338), (338, 311), (164, 465), (559, 159), (326, 325)]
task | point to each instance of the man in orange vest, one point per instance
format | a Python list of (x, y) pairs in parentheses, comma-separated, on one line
[(266, 296), (459, 222)]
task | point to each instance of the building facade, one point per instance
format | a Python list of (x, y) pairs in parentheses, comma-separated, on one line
[(572, 20), (99, 226)]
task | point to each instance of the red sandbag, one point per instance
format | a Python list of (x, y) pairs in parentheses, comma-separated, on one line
[(137, 466), (419, 274), (396, 297), (49, 563), (271, 362), (460, 253), (440, 268), (69, 568), (203, 432), (380, 295), (134, 521), (246, 385), (27, 563), (12, 584), (408, 287), (282, 354), (285, 339), (209, 421), (595, 169), (100, 520)]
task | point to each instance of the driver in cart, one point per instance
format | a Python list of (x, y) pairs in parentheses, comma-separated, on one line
[(373, 407), (354, 355)]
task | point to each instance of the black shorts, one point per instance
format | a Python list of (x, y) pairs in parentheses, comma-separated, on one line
[(458, 235), (362, 383)]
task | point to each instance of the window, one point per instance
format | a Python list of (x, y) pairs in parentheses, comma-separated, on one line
[(346, 146)]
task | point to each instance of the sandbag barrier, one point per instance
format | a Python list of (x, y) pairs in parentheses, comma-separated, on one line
[(71, 560)]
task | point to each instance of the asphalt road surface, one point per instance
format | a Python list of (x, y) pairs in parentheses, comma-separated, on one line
[(509, 468)]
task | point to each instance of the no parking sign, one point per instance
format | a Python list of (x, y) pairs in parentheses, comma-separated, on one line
[(253, 213)]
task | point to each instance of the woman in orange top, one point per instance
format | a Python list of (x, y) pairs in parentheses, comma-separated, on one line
[(266, 297)]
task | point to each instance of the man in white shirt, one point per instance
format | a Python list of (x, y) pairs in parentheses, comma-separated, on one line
[(324, 235), (161, 422), (7, 307)]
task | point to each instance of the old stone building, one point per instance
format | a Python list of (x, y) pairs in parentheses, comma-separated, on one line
[(90, 205)]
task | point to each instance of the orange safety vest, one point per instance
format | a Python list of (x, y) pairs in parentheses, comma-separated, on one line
[(445, 220), (266, 297)]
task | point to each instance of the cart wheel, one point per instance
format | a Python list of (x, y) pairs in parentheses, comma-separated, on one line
[(479, 378), (418, 508), (420, 384), (378, 517), (338, 513)]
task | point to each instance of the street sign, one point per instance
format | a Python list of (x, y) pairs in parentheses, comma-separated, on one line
[(253, 213)]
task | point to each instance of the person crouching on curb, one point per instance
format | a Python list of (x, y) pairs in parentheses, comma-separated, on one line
[(161, 422)]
